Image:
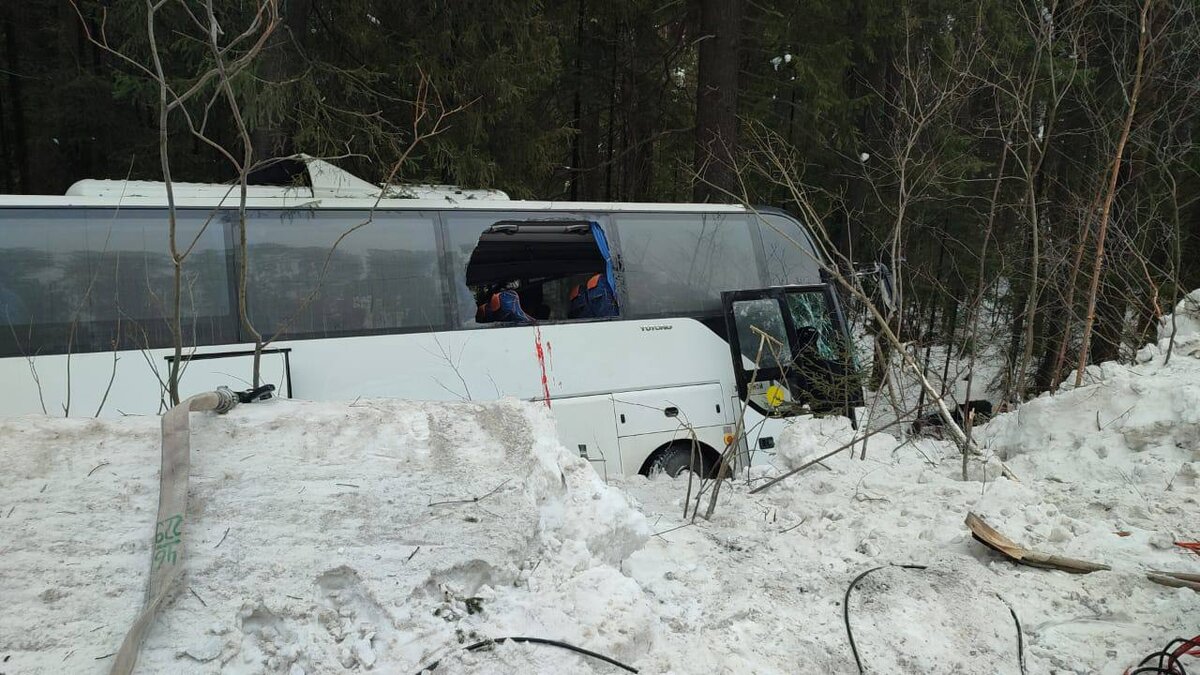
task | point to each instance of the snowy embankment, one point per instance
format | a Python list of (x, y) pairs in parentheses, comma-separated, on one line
[(1108, 474), (318, 543), (346, 537)]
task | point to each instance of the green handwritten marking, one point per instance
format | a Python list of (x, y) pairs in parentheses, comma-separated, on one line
[(168, 535)]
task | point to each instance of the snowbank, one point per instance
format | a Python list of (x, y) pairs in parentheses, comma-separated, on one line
[(785, 557), (318, 543), (382, 536), (1184, 322), (1141, 422)]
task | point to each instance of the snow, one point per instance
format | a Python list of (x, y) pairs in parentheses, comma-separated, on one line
[(1186, 323), (384, 535), (316, 538)]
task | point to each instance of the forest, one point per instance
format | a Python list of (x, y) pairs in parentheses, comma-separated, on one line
[(1026, 164)]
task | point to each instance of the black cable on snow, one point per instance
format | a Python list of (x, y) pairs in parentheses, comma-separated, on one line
[(537, 641), (846, 608), (1020, 637), (850, 633), (1169, 658)]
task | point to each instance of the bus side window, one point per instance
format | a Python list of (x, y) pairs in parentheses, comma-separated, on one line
[(382, 277), (462, 235), (677, 264), (789, 256), (95, 279)]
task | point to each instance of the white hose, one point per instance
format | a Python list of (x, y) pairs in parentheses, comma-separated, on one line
[(166, 561)]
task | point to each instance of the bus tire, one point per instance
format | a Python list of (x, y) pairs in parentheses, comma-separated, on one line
[(675, 458)]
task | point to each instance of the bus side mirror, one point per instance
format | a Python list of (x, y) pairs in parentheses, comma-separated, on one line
[(877, 279)]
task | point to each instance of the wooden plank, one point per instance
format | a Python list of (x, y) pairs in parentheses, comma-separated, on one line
[(993, 539)]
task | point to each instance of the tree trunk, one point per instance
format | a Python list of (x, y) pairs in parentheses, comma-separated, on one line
[(575, 173), (5, 160), (77, 153), (1069, 302), (1054, 320), (1035, 267), (588, 176), (1105, 343), (280, 63), (1110, 195), (19, 141), (716, 100), (1016, 332), (612, 112), (638, 90)]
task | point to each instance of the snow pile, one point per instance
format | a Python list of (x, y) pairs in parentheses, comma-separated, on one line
[(1120, 457), (322, 538), (801, 443), (1137, 425), (784, 558), (1183, 323)]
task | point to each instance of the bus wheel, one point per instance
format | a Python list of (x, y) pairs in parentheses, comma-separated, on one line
[(681, 456)]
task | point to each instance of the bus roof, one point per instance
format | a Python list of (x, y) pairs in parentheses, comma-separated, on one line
[(389, 204), (289, 177), (315, 183)]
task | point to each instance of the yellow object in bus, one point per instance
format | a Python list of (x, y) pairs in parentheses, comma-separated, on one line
[(775, 395)]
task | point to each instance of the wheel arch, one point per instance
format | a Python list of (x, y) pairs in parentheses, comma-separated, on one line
[(708, 454)]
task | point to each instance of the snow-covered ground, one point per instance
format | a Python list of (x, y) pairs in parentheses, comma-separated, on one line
[(385, 535)]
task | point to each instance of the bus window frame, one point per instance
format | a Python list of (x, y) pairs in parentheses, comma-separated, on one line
[(231, 318), (439, 219), (835, 314)]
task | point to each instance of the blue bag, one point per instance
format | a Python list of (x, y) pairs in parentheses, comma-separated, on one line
[(504, 306), (593, 300)]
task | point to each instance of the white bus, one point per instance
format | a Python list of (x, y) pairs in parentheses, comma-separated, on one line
[(634, 322)]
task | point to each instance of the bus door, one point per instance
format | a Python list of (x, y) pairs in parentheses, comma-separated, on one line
[(791, 351)]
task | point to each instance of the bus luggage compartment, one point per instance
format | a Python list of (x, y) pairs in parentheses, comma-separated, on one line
[(657, 410), (651, 419)]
